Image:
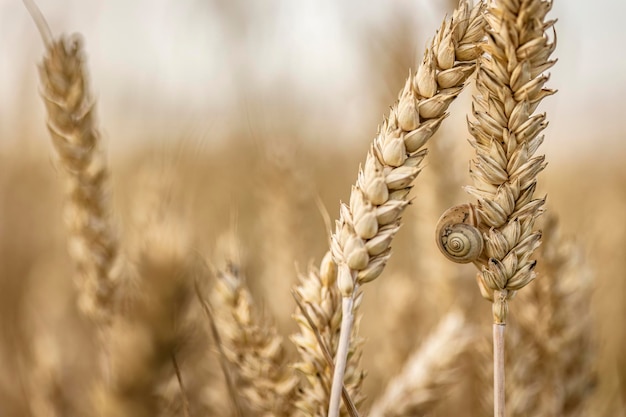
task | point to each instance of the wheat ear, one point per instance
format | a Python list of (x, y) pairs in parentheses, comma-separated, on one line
[(71, 123), (144, 339), (510, 84), (553, 334), (367, 225), (319, 321), (428, 372), (252, 346)]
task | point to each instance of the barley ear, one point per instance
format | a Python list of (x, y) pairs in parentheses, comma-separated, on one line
[(363, 234)]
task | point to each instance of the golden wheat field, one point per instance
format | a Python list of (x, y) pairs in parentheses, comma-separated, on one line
[(232, 208)]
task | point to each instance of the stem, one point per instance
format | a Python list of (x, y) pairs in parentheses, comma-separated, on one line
[(183, 394), (498, 369), (40, 21), (352, 411), (230, 385), (341, 359)]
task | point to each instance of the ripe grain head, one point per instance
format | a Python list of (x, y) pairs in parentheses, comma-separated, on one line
[(510, 84)]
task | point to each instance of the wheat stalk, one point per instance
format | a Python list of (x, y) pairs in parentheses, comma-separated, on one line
[(252, 346), (320, 319), (506, 135), (367, 225), (428, 372)]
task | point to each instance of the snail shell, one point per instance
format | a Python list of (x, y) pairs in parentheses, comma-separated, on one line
[(458, 236)]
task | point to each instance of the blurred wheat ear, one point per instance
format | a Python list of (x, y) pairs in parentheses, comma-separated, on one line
[(146, 339), (71, 123), (427, 374), (92, 243), (251, 346), (552, 334)]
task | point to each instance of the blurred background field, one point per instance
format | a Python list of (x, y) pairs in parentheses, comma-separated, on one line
[(253, 117)]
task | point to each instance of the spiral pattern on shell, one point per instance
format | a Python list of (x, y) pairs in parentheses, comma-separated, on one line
[(457, 236)]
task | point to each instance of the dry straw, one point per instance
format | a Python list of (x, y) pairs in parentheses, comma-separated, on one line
[(367, 225)]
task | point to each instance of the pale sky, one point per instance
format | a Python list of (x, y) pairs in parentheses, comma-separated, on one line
[(150, 58)]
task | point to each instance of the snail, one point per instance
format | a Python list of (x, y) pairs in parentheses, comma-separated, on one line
[(458, 236)]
